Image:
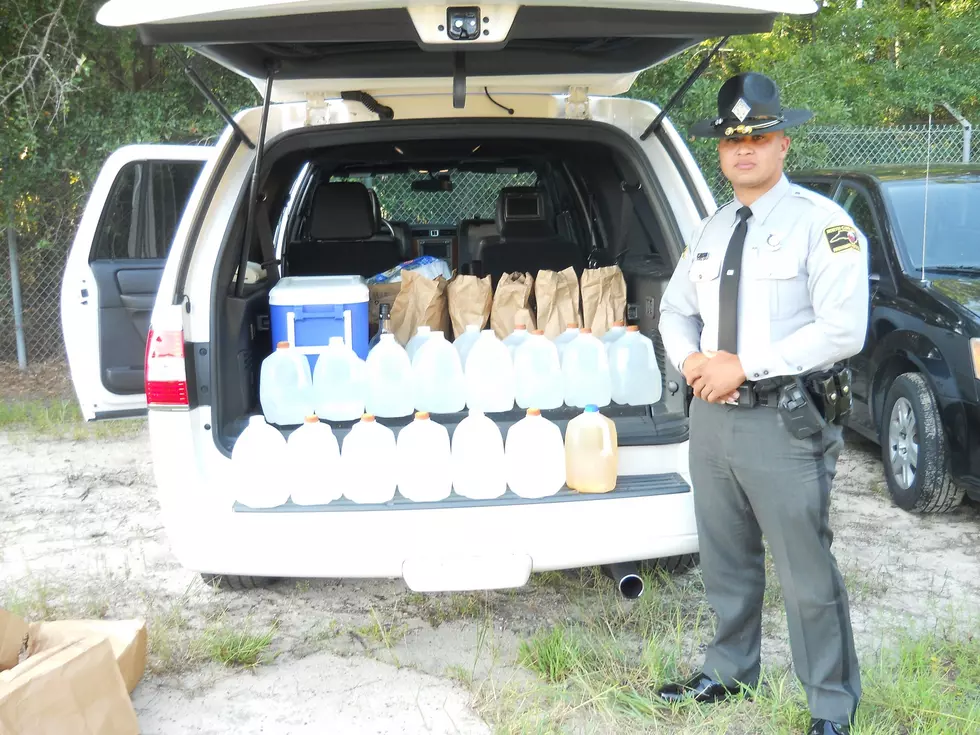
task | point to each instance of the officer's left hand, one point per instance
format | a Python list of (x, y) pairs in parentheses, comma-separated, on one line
[(716, 379)]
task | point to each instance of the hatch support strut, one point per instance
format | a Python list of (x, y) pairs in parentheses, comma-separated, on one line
[(695, 75), (253, 194), (459, 80)]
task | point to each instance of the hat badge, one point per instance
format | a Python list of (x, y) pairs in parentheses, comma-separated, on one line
[(741, 109)]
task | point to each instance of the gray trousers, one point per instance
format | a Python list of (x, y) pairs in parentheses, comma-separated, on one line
[(751, 478)]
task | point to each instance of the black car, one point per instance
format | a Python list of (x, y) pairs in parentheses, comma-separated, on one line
[(916, 382)]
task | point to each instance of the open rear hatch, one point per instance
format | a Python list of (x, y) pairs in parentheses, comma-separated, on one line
[(325, 47)]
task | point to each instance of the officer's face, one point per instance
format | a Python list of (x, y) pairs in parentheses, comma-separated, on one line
[(753, 161)]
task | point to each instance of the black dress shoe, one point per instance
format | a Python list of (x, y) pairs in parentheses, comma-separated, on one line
[(701, 688), (826, 727)]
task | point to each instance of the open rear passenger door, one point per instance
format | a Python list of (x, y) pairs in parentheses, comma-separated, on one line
[(114, 270)]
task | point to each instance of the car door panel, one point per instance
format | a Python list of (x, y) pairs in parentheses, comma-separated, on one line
[(114, 270)]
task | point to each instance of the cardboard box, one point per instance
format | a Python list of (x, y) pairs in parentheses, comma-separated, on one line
[(126, 637), (73, 688), (13, 632), (378, 294)]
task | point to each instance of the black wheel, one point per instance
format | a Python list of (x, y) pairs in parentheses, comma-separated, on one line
[(237, 582), (914, 448), (674, 564)]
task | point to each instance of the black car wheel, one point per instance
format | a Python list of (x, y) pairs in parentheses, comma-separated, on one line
[(238, 582), (674, 564), (914, 448)]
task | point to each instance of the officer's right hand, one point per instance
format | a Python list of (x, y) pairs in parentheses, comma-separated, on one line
[(691, 365)]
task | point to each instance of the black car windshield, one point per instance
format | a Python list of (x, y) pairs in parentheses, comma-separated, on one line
[(952, 223)]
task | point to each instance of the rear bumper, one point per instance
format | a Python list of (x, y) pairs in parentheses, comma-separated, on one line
[(460, 547)]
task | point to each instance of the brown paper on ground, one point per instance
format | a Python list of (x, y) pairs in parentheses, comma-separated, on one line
[(378, 294), (512, 304), (127, 638), (73, 688), (13, 632), (603, 298), (469, 300), (557, 298), (421, 302)]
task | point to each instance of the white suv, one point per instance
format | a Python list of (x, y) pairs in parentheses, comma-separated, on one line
[(366, 99)]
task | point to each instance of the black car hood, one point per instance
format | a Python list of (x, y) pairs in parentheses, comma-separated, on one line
[(962, 290)]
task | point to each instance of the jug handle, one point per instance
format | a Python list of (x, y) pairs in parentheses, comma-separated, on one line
[(296, 356), (607, 449)]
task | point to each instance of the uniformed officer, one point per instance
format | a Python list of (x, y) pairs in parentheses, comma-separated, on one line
[(774, 286)]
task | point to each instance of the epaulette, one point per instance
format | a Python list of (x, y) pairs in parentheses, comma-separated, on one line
[(818, 200)]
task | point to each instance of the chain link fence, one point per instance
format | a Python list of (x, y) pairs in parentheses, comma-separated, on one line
[(474, 195)]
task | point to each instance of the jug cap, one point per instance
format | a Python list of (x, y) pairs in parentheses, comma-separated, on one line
[(367, 417), (537, 331), (592, 408), (284, 345), (585, 330), (534, 412), (632, 328), (572, 325), (422, 416), (518, 327), (619, 323), (312, 419)]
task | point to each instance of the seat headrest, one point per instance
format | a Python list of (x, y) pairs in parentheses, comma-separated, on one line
[(522, 212), (342, 210)]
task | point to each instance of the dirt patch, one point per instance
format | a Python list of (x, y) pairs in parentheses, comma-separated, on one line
[(80, 535), (45, 381)]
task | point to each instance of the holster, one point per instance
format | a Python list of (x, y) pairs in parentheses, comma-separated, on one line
[(798, 410), (831, 391)]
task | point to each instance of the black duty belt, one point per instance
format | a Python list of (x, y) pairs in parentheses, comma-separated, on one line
[(804, 402)]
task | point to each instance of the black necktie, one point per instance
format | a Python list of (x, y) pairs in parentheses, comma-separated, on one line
[(728, 291)]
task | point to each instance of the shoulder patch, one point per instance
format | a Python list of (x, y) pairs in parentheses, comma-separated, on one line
[(841, 238)]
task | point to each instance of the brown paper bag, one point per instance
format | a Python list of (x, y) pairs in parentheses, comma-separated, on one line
[(557, 297), (421, 302), (469, 299), (127, 638), (13, 633), (73, 688), (512, 303), (603, 298)]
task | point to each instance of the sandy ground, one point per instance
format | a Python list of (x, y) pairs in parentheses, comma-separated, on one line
[(80, 536)]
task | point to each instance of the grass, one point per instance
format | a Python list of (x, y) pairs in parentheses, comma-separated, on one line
[(236, 643), (602, 674), (437, 609), (38, 599), (61, 419)]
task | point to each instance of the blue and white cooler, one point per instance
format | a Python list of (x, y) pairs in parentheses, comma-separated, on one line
[(307, 311)]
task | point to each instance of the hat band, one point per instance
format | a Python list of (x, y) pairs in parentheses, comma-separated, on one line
[(749, 129)]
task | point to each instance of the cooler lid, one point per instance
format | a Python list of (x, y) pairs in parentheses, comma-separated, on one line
[(318, 290)]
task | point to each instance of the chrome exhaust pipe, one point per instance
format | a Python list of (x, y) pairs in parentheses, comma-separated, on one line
[(627, 577)]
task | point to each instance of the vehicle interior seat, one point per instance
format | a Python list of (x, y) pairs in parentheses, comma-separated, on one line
[(343, 236), (471, 233), (528, 240), (401, 231)]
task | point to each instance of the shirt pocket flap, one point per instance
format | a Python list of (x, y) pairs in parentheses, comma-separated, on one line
[(705, 270), (781, 267)]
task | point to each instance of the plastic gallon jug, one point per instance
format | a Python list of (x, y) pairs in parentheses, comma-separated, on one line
[(437, 375), (390, 389), (516, 338), (367, 462), (585, 372), (256, 459), (339, 383), (537, 373), (478, 458), (424, 460), (464, 342), (635, 373), (417, 340), (617, 330), (286, 386), (490, 375), (313, 461), (591, 452), (565, 338), (534, 457)]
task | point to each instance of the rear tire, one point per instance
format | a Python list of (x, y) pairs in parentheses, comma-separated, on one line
[(914, 449), (674, 564), (238, 582)]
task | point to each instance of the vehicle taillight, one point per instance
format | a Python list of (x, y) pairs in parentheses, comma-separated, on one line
[(166, 375)]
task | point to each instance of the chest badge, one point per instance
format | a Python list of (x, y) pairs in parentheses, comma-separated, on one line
[(774, 242), (703, 256)]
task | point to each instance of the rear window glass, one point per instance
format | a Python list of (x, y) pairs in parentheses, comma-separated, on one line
[(473, 196)]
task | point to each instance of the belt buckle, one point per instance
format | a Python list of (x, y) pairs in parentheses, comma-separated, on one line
[(746, 396)]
